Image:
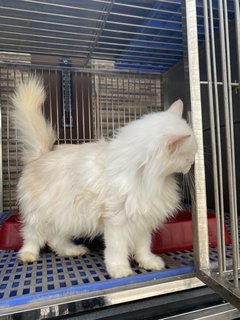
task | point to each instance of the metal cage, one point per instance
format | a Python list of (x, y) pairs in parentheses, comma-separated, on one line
[(105, 63)]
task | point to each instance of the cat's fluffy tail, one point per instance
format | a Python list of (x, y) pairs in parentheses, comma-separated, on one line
[(36, 134)]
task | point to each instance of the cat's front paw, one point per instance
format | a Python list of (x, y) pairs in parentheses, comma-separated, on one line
[(119, 271), (27, 257), (152, 262)]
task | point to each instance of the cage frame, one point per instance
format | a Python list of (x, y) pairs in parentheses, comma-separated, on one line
[(203, 273)]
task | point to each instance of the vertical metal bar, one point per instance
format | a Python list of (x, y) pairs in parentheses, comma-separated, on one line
[(153, 86), (159, 90), (8, 143), (1, 146), (113, 124), (89, 107), (144, 82), (118, 110), (200, 216), (229, 143), (50, 95), (16, 133), (106, 77), (134, 97), (129, 99), (64, 122), (44, 103), (237, 27), (77, 106), (213, 137), (124, 99), (97, 105), (101, 97), (83, 109), (218, 132), (229, 83), (57, 105), (71, 121), (156, 94)]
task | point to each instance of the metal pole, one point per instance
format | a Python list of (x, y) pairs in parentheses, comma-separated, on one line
[(218, 130), (213, 137), (229, 141), (200, 215)]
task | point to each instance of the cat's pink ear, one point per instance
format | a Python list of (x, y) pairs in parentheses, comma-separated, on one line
[(175, 141), (177, 108)]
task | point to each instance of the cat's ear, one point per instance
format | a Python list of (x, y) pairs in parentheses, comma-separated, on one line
[(176, 140), (177, 108)]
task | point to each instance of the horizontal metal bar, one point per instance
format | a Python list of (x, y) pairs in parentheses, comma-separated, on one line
[(168, 11), (198, 5), (94, 10), (122, 4), (220, 312), (115, 56), (79, 18), (221, 286), (91, 34), (234, 84), (47, 31), (78, 303), (79, 8), (64, 6), (90, 69), (58, 5), (47, 22), (100, 50), (131, 45), (86, 27), (144, 17)]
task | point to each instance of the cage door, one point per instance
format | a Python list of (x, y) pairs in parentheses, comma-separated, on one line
[(215, 101)]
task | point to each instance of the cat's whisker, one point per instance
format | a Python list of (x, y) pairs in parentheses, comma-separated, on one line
[(189, 187)]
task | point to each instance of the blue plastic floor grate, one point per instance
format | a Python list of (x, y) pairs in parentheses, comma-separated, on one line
[(48, 273), (52, 274), (53, 277)]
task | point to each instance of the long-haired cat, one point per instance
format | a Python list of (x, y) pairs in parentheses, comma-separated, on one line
[(123, 188)]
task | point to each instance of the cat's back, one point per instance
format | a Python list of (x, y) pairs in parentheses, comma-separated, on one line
[(65, 164), (68, 155)]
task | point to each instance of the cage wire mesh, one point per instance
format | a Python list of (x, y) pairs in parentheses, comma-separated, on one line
[(100, 105)]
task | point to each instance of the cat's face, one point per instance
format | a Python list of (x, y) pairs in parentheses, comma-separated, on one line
[(183, 157), (161, 141), (181, 145)]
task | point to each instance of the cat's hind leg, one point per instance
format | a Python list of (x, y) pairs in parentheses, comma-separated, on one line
[(32, 243), (65, 247)]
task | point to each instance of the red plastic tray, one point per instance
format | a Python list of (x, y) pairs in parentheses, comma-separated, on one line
[(10, 236), (176, 234)]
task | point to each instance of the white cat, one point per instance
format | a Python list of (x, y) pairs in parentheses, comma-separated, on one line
[(123, 189)]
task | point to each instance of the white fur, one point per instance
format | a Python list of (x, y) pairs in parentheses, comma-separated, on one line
[(36, 134), (123, 189)]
